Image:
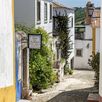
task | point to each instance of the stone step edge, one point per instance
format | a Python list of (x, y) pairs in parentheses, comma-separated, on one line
[(93, 97)]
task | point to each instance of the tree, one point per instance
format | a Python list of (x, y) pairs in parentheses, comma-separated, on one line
[(64, 37)]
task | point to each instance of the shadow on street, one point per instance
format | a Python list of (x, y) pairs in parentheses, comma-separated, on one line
[(79, 95)]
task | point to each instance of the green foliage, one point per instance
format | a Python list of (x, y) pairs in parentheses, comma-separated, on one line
[(94, 62), (63, 31), (70, 71), (79, 15), (41, 71), (19, 27), (67, 70)]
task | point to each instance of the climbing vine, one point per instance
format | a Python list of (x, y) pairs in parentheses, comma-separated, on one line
[(63, 32)]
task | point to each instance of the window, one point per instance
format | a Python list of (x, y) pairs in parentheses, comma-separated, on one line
[(79, 36), (79, 29), (79, 52), (38, 11), (70, 22), (79, 33), (54, 23), (50, 12), (45, 11)]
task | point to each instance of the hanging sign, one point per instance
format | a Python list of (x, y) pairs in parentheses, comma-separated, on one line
[(34, 41)]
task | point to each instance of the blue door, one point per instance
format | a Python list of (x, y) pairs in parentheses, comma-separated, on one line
[(18, 81)]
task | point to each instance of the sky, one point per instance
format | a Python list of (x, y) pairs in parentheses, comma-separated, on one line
[(79, 3)]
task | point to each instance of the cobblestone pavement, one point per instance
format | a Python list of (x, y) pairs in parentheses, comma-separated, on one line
[(73, 88)]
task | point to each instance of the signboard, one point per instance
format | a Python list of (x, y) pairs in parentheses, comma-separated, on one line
[(6, 44), (34, 41)]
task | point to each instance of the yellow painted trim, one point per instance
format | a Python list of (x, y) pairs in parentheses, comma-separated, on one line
[(7, 94), (14, 64), (13, 29), (94, 40)]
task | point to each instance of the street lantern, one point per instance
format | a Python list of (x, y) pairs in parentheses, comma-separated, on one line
[(90, 11)]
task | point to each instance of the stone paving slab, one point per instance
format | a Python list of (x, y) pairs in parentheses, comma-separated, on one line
[(24, 100), (75, 88), (93, 98)]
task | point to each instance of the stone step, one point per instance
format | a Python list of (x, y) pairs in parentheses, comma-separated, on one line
[(24, 100), (93, 98)]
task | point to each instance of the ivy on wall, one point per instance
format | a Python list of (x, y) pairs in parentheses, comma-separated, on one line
[(63, 32)]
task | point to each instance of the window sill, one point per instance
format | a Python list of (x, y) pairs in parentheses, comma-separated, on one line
[(50, 21), (45, 21), (78, 56), (38, 22)]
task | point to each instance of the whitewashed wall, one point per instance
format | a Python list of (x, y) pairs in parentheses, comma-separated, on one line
[(88, 32), (70, 13), (47, 26), (97, 39), (72, 34), (6, 44), (82, 62), (26, 14), (100, 81)]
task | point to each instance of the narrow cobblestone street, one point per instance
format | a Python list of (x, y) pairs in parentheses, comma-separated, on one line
[(73, 88)]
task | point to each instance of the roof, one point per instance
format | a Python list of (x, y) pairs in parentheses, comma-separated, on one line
[(98, 8), (59, 5)]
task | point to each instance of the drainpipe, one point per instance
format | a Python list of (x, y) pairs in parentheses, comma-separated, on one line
[(94, 39)]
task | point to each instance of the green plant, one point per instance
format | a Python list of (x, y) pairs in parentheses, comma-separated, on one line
[(62, 60), (40, 72), (63, 31), (41, 61), (67, 70), (79, 15), (64, 37), (94, 62), (19, 27), (70, 71)]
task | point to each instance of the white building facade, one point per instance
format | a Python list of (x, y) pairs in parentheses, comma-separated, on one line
[(83, 47), (87, 42), (34, 13), (59, 9), (7, 52)]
